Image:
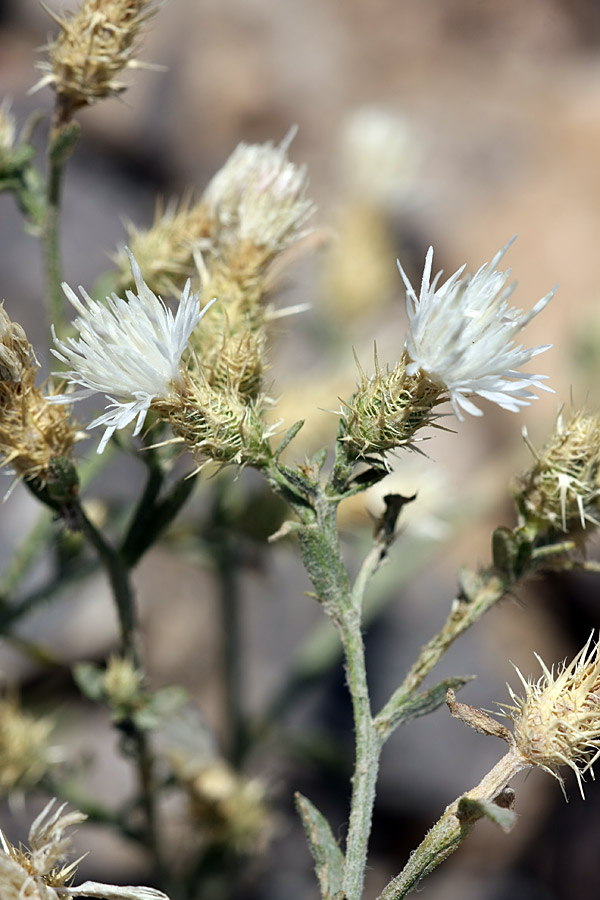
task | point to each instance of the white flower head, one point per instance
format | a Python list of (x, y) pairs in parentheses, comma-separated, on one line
[(130, 350), (260, 196), (41, 872), (462, 335)]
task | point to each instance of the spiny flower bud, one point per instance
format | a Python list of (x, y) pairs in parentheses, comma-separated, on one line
[(561, 491), (557, 722), (221, 425), (33, 432), (388, 409), (165, 251), (94, 45)]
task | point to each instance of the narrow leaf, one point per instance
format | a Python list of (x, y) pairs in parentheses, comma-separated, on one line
[(329, 859), (400, 708)]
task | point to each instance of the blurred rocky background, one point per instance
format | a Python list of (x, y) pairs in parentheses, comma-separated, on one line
[(453, 122)]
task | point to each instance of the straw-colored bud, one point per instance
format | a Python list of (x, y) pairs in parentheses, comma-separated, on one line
[(33, 432), (230, 808), (94, 45), (165, 251), (557, 722), (388, 409), (25, 752), (561, 491)]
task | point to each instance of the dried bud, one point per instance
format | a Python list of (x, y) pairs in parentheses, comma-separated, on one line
[(33, 432), (94, 45), (562, 489), (165, 251), (557, 722)]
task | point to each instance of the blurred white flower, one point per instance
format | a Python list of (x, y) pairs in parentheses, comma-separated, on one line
[(130, 350), (461, 335), (380, 153), (38, 873)]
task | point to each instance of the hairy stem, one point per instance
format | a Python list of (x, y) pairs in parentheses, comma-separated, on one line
[(61, 142), (451, 829)]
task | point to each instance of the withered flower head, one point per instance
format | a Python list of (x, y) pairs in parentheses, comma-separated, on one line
[(33, 432), (557, 722), (165, 251), (94, 45)]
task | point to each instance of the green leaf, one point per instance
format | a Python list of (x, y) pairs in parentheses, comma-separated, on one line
[(329, 859), (159, 706), (90, 680), (400, 708), (469, 810), (288, 436)]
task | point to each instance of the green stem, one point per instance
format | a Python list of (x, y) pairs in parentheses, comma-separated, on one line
[(368, 749), (61, 142), (322, 557), (232, 648), (25, 555), (466, 610), (118, 575), (450, 830)]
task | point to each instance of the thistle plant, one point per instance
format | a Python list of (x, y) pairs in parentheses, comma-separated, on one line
[(176, 360)]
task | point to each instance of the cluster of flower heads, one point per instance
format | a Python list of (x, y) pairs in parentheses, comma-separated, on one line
[(460, 343), (40, 871)]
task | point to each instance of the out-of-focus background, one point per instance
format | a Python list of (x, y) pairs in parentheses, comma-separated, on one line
[(455, 123)]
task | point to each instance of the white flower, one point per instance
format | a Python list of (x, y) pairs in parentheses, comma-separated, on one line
[(462, 335), (38, 873), (260, 196), (130, 350)]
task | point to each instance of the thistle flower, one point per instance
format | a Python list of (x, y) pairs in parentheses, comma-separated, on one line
[(557, 722), (128, 349), (34, 433), (462, 337), (258, 199), (562, 488), (94, 45), (39, 872)]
